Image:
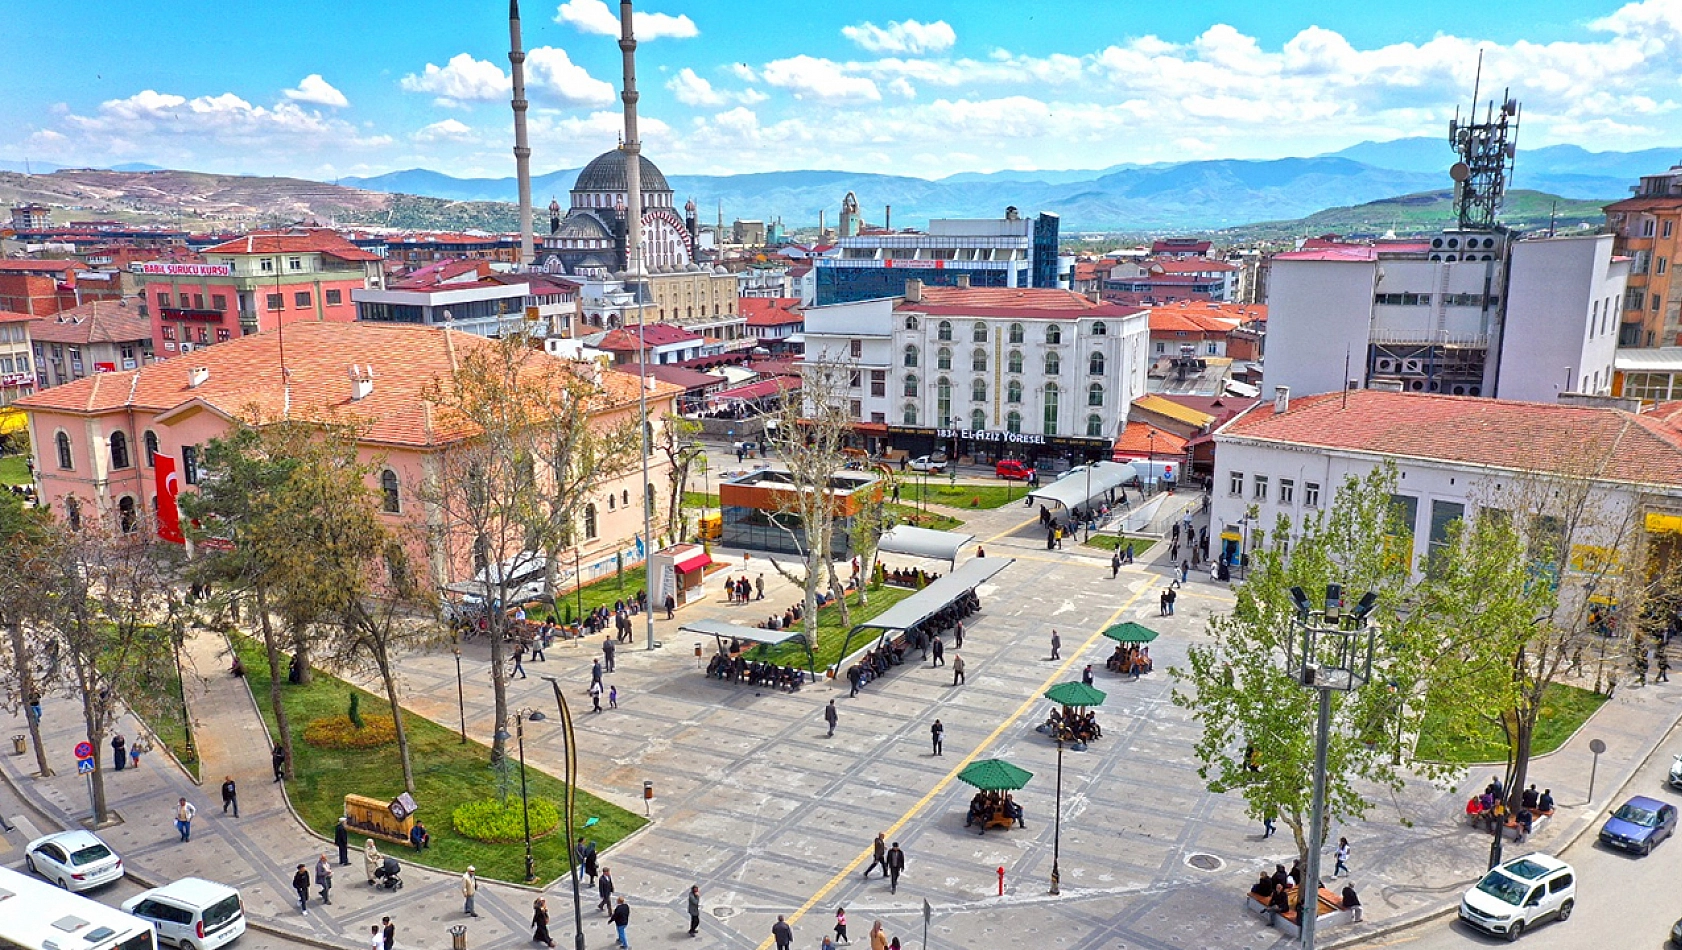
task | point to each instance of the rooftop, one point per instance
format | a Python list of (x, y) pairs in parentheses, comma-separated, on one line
[(313, 240), (97, 321), (655, 334), (771, 311), (1042, 303), (676, 375)]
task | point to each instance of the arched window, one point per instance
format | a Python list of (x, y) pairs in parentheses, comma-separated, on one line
[(1054, 334), (943, 359), (978, 391), (1099, 329), (1095, 425), (389, 501), (943, 331), (911, 356), (978, 333), (911, 384), (910, 322), (1095, 395), (126, 520), (1095, 364), (977, 420), (119, 452), (1052, 395), (1053, 365), (978, 360), (910, 415), (625, 497), (150, 440), (64, 458), (1016, 333), (1013, 392), (1013, 422), (611, 502), (1014, 363), (589, 522), (943, 402)]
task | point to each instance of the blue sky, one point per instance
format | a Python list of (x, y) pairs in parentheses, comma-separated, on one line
[(324, 88)]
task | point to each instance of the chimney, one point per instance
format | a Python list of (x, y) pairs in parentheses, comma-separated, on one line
[(913, 291), (1281, 399), (887, 217), (361, 382), (198, 376), (1095, 295), (963, 281)]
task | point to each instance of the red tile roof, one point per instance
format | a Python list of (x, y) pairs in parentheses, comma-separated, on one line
[(97, 321), (294, 242), (764, 387), (1137, 441), (1518, 436), (1646, 203), (8, 316), (655, 334), (1191, 265), (245, 375), (41, 267), (1348, 253), (1030, 303), (674, 374), (771, 311)]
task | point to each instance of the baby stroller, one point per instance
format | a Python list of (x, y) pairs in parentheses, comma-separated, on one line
[(388, 875)]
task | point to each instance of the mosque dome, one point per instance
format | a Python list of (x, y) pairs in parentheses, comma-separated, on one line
[(606, 173)]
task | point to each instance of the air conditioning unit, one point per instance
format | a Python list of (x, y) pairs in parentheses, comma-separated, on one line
[(1385, 364), (1413, 367), (1416, 385)]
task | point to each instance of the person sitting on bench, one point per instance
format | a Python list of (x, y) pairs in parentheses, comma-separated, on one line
[(419, 837), (1545, 804), (1013, 811), (1525, 818), (1264, 887), (1530, 798), (1352, 903), (979, 810)]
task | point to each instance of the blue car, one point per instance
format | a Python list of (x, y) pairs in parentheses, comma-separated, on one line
[(1639, 824)]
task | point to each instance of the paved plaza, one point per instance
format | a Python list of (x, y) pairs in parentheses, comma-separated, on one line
[(769, 817)]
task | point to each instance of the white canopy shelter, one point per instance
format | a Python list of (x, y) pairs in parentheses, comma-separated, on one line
[(1078, 488), (923, 542)]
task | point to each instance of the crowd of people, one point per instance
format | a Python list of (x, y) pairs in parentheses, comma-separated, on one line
[(987, 805), (735, 667), (1072, 725), (1130, 658), (1490, 811), (913, 577)]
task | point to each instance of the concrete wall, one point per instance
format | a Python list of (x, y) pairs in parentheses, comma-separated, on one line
[(1319, 312), (1564, 304)]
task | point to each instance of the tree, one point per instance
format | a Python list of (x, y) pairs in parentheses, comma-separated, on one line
[(870, 522), (677, 443), (28, 561), (1245, 698)]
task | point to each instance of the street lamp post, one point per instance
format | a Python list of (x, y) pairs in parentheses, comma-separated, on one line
[(1150, 458), (1336, 655), (569, 751), (1057, 819), (461, 697), (535, 715)]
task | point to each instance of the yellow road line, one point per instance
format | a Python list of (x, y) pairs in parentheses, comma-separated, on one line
[(1010, 531), (940, 786)]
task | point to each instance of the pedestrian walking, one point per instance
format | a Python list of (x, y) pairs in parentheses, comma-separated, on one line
[(609, 648), (957, 669), (1342, 855), (596, 696), (878, 939), (694, 909), (184, 812), (613, 697), (1086, 675), (759, 582), (341, 840), (896, 864), (1664, 667), (879, 855), (388, 933), (1267, 825), (141, 744), (621, 920), (375, 941), (540, 923), (671, 607), (540, 642), (324, 878), (591, 862), (937, 733), (301, 884), (519, 670), (1162, 604), (371, 859), (35, 705), (1173, 552), (939, 649), (1056, 646), (1115, 565), (230, 795), (830, 716), (596, 671), (841, 925), (278, 758), (782, 933), (604, 887), (1185, 571), (958, 636), (469, 887), (119, 752)]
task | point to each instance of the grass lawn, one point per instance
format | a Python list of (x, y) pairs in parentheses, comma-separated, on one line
[(831, 633), (14, 471), (1564, 710), (169, 722), (447, 773), (931, 519), (695, 499), (1110, 542), (959, 496)]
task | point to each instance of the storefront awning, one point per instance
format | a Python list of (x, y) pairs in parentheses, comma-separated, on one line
[(1078, 488), (923, 542), (693, 562), (736, 631)]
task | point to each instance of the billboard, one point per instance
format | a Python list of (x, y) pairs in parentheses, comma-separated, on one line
[(185, 270)]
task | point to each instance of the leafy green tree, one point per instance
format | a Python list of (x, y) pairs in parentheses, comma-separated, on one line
[(28, 562)]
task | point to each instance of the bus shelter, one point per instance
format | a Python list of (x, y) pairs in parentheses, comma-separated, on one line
[(727, 634), (1080, 489), (920, 607)]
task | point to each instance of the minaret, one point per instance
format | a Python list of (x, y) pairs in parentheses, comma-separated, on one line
[(634, 268), (522, 147)]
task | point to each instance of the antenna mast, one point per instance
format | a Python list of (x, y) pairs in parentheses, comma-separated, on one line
[(1486, 152)]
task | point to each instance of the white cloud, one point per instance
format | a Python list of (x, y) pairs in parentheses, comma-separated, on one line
[(693, 90), (908, 36), (811, 78), (551, 72), (446, 130), (900, 86), (314, 89), (594, 16), (463, 79), (744, 72)]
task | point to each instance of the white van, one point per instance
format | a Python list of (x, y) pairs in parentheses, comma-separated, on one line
[(1520, 893), (192, 913)]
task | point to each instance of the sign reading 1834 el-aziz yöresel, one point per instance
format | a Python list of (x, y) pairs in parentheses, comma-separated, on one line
[(991, 435)]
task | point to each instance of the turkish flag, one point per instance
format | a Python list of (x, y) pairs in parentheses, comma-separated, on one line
[(169, 516)]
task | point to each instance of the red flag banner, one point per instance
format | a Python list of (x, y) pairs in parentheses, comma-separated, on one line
[(169, 485)]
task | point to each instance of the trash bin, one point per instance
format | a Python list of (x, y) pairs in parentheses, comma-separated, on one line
[(458, 937), (19, 747)]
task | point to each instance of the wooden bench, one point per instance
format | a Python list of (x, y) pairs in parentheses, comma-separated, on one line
[(1330, 909), (1510, 828)]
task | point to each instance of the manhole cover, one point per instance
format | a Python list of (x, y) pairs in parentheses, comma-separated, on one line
[(723, 912), (1205, 862)]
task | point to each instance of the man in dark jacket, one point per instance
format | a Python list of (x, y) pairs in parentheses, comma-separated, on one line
[(694, 908), (783, 933), (341, 838), (621, 920), (880, 859), (604, 887), (230, 796), (895, 864), (301, 884)]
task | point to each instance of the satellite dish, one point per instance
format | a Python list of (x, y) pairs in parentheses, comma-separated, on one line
[(1459, 171)]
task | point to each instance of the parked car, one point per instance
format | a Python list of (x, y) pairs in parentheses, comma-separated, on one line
[(1639, 824), (192, 913), (74, 860), (1013, 469), (1520, 893), (928, 463), (1676, 772)]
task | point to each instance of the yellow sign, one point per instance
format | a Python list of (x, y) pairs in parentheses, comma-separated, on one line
[(1658, 523), (1231, 536), (1589, 559)]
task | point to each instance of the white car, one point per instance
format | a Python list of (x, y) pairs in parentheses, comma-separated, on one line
[(928, 463), (192, 913), (74, 860), (1519, 894)]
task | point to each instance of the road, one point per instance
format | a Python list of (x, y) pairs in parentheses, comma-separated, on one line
[(1623, 901)]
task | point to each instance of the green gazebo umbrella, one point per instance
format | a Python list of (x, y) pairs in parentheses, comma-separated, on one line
[(1075, 694), (995, 775), (1131, 632)]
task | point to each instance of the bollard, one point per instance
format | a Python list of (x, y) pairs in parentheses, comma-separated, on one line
[(647, 797), (458, 937), (1001, 882), (19, 746)]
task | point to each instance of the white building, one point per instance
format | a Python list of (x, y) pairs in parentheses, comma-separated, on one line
[(1044, 374), (1471, 313), (1011, 251), (1452, 455)]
